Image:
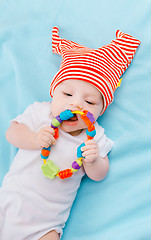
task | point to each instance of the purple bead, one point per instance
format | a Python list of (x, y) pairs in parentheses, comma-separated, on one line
[(58, 118), (75, 165), (53, 126), (90, 116)]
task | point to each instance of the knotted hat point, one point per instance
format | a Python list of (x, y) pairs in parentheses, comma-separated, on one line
[(102, 67)]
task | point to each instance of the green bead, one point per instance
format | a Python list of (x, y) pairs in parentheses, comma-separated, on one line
[(49, 169), (55, 122)]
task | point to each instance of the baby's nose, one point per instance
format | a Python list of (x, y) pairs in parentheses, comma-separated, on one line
[(77, 103)]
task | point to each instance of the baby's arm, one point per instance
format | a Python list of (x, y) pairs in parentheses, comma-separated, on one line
[(95, 166), (22, 137)]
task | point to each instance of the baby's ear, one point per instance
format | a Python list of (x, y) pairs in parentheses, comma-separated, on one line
[(60, 45)]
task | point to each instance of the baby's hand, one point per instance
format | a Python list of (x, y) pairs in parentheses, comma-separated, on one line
[(90, 151), (44, 138)]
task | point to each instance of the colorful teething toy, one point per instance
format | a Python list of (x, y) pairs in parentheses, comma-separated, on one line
[(49, 168)]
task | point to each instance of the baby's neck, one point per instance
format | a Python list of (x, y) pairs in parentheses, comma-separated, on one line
[(76, 133)]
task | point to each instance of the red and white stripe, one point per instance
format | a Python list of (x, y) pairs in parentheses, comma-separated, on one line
[(101, 67)]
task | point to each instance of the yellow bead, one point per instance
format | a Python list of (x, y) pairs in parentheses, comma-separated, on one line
[(74, 170)]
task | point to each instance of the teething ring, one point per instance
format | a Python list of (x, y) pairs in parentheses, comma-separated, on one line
[(49, 169)]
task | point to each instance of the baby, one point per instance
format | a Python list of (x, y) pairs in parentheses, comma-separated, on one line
[(33, 206)]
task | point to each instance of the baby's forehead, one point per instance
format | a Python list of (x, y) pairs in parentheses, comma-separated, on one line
[(84, 87)]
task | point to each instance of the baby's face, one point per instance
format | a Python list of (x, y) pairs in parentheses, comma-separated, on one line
[(76, 95)]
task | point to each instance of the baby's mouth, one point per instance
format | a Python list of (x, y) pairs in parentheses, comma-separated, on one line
[(73, 120)]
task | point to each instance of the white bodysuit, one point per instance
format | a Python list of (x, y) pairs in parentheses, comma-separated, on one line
[(30, 203)]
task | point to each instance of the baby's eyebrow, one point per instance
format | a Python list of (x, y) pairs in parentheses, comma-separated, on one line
[(67, 89), (67, 85), (90, 96)]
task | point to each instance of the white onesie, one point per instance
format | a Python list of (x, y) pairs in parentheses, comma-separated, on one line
[(31, 204)]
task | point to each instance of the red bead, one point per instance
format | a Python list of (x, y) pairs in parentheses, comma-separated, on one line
[(56, 133)]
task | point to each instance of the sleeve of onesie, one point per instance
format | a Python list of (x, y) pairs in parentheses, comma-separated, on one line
[(105, 144), (32, 115)]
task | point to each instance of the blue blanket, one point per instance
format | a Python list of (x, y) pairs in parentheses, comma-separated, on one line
[(119, 207)]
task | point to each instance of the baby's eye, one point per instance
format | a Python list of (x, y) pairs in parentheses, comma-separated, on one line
[(89, 102), (67, 94)]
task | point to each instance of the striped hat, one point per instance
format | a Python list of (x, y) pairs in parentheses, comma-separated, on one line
[(101, 67)]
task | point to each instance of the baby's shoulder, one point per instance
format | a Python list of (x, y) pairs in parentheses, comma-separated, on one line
[(41, 106), (98, 127), (99, 131)]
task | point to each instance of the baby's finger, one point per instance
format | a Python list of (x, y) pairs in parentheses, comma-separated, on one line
[(52, 140), (44, 145), (89, 152), (90, 142), (85, 148), (46, 134), (89, 159), (49, 130), (49, 133), (48, 139)]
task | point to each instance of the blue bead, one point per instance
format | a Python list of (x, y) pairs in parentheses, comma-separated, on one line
[(91, 134), (43, 157), (79, 152), (65, 115)]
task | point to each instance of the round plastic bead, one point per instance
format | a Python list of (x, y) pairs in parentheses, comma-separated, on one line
[(55, 123), (91, 133), (45, 153), (75, 165), (58, 118)]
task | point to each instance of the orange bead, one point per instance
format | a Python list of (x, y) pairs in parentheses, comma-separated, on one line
[(65, 173), (91, 128), (85, 111), (89, 137), (86, 120), (45, 152)]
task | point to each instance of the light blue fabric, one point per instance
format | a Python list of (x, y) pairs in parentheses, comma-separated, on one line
[(119, 207)]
